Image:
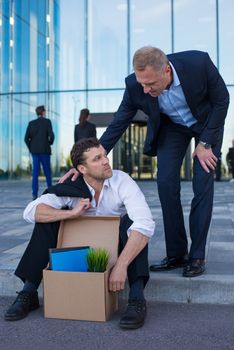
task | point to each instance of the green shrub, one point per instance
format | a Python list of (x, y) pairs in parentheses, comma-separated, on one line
[(97, 260)]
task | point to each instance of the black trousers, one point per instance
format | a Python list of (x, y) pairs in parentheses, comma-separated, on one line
[(173, 142), (44, 236)]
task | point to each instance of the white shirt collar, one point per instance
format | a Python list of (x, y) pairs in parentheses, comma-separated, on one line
[(176, 80), (105, 184)]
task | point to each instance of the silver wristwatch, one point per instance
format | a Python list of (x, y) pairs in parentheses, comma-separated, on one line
[(205, 145)]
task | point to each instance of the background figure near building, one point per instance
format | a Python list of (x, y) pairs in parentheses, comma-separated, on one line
[(84, 129), (230, 161), (39, 137), (218, 169)]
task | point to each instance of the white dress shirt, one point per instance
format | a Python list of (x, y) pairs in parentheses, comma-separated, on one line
[(120, 195)]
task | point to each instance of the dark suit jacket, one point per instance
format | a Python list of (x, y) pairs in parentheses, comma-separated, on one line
[(204, 90), (39, 136), (88, 130), (230, 156), (70, 188)]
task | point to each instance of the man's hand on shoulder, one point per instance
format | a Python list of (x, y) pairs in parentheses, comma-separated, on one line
[(206, 157), (72, 172)]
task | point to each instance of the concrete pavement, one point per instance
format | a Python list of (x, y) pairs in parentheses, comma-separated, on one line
[(168, 326), (216, 286)]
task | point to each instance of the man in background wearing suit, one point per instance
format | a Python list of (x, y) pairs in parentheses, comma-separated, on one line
[(184, 97), (39, 137)]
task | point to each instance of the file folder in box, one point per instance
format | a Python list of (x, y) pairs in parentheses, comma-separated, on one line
[(72, 259)]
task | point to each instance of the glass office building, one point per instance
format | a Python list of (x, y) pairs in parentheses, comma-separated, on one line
[(29, 57), (83, 60)]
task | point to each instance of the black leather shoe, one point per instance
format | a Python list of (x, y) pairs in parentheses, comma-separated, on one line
[(134, 315), (195, 267), (23, 304), (170, 263)]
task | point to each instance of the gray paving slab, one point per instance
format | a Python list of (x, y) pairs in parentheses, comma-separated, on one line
[(168, 326), (215, 286)]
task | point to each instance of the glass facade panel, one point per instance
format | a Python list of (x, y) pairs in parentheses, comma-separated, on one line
[(107, 43), (105, 101), (226, 35), (5, 47), (150, 24), (195, 26), (72, 44), (23, 33), (4, 139)]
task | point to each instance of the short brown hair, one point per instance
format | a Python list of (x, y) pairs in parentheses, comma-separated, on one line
[(84, 145), (149, 56), (40, 110)]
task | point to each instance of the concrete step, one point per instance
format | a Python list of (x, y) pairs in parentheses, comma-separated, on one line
[(162, 287)]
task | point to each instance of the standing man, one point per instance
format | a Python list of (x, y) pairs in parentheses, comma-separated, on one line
[(97, 191), (39, 137), (185, 97)]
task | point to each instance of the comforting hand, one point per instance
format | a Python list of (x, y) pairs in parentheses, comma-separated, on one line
[(117, 278), (72, 172), (81, 207), (206, 158)]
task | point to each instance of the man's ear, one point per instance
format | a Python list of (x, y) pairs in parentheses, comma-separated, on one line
[(81, 169)]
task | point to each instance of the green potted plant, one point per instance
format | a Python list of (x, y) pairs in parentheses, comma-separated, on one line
[(97, 259)]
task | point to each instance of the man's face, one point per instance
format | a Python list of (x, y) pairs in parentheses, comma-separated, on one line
[(152, 81), (96, 165)]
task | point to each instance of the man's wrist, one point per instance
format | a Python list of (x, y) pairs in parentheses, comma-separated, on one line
[(205, 144)]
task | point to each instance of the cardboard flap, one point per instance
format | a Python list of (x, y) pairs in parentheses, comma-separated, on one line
[(94, 231)]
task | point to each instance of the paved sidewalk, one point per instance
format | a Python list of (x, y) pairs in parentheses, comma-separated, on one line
[(215, 286)]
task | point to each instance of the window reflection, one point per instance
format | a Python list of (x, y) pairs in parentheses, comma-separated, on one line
[(226, 34), (151, 24), (107, 43), (195, 26)]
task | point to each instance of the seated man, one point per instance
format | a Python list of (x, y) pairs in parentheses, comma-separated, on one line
[(98, 191)]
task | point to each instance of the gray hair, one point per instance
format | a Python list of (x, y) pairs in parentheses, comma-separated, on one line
[(149, 56)]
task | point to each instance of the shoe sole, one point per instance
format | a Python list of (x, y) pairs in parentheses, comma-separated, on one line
[(194, 275), (130, 326), (168, 268), (16, 318)]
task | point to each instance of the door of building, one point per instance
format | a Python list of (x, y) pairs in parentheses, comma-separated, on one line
[(129, 157)]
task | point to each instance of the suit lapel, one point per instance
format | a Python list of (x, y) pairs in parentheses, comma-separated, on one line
[(185, 81), (154, 116)]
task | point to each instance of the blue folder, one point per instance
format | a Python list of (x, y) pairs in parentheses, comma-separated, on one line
[(69, 259)]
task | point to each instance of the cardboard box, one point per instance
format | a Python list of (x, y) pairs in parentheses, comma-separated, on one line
[(83, 295)]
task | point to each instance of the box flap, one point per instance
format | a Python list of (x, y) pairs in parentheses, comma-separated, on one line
[(95, 231)]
